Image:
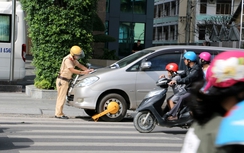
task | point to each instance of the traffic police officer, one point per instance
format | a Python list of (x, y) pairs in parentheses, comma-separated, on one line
[(67, 69)]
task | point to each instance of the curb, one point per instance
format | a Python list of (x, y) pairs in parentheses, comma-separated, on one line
[(36, 93)]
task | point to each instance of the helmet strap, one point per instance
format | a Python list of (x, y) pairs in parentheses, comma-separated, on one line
[(174, 74), (188, 62)]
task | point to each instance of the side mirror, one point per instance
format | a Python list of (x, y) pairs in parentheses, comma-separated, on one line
[(114, 66), (88, 65), (145, 65)]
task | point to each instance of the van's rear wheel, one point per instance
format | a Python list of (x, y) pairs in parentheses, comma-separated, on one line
[(116, 115)]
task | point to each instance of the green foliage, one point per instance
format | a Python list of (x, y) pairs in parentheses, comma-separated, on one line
[(44, 84), (103, 38), (54, 27), (109, 54)]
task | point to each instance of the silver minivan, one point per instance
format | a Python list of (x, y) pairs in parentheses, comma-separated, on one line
[(127, 81)]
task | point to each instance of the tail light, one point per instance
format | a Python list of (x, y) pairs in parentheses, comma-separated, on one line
[(23, 51)]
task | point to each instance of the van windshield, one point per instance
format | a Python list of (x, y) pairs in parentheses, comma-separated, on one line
[(129, 59)]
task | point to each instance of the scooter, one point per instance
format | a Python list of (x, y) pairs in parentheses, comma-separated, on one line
[(150, 112)]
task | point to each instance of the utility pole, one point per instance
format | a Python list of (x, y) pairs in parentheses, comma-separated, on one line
[(188, 22), (241, 27), (12, 41)]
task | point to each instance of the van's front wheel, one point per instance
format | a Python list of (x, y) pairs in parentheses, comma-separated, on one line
[(117, 101)]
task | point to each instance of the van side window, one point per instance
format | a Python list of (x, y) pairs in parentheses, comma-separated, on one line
[(5, 27), (159, 62)]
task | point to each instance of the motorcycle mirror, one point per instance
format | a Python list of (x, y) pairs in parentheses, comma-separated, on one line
[(163, 82)]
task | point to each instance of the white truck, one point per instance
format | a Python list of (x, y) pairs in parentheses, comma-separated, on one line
[(5, 41)]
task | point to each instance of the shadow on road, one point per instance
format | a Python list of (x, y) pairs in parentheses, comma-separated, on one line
[(7, 143), (87, 118), (183, 131)]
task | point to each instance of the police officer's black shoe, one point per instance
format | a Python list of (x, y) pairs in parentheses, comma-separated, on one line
[(62, 117)]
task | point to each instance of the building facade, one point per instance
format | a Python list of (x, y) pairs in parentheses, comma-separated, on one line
[(217, 14), (129, 21), (188, 21), (165, 23)]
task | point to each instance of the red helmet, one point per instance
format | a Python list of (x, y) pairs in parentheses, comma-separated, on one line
[(172, 67), (226, 69)]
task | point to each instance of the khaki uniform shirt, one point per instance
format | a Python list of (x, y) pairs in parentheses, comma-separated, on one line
[(68, 62)]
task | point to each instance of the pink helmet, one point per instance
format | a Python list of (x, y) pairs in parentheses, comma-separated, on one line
[(205, 56), (226, 69)]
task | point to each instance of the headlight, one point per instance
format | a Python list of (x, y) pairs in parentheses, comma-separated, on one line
[(153, 93), (87, 81)]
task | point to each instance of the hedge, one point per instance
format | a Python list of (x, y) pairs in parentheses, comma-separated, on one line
[(54, 26)]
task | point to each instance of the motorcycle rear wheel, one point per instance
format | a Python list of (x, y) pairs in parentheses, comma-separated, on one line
[(139, 120)]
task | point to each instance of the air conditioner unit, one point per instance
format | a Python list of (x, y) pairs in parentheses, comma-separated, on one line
[(211, 1)]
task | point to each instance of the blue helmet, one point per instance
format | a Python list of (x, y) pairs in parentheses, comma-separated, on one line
[(190, 55), (231, 126)]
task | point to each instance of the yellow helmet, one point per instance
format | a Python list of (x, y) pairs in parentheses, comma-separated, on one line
[(75, 50)]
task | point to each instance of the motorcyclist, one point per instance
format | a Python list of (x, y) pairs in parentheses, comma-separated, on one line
[(226, 78), (178, 90), (193, 74), (230, 137), (204, 61)]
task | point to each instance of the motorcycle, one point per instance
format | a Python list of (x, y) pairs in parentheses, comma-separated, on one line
[(150, 112)]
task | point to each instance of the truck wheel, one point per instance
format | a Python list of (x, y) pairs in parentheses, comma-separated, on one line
[(116, 115), (144, 126), (90, 112)]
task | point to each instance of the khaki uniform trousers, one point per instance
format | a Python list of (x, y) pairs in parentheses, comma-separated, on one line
[(62, 88)]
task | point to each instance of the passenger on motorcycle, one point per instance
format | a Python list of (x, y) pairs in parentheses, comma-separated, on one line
[(209, 133), (193, 74), (179, 89), (204, 61)]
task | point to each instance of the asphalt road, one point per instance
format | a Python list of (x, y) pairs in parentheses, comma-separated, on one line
[(28, 125), (80, 135)]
